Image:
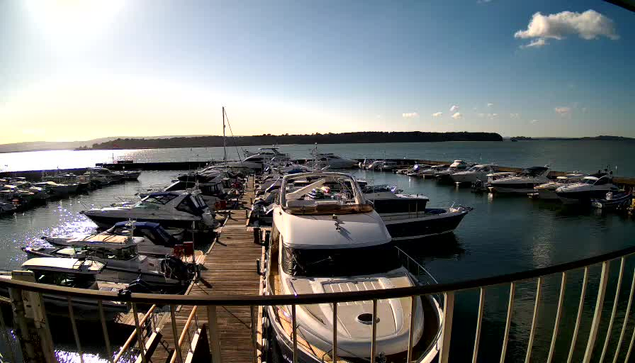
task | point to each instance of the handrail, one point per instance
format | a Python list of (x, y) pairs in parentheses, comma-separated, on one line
[(128, 342), (184, 332), (270, 300)]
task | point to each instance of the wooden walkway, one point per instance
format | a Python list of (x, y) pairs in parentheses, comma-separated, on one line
[(229, 269)]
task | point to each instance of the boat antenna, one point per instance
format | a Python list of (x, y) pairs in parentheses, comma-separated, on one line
[(224, 142)]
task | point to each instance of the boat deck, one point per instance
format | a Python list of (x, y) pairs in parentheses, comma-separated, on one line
[(228, 269)]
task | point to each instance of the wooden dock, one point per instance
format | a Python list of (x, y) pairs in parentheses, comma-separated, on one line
[(229, 269)]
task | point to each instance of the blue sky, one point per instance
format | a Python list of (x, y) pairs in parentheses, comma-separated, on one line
[(75, 70)]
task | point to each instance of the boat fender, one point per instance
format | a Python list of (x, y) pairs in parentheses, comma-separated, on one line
[(264, 345), (265, 322), (258, 267)]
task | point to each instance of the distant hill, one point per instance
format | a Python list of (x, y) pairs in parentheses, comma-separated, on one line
[(44, 145), (601, 138), (268, 139)]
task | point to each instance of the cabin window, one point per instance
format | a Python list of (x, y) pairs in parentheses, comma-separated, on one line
[(602, 181), (64, 279), (340, 262), (161, 199)]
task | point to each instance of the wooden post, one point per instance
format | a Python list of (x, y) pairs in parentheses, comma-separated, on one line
[(214, 336), (30, 323)]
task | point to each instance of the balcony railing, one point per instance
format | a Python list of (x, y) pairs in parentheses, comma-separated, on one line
[(147, 325)]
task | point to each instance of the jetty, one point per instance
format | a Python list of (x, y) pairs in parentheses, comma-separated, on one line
[(229, 269)]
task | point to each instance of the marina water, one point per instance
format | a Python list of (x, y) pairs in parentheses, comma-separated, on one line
[(501, 235)]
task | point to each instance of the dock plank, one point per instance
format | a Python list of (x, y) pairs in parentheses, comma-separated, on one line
[(229, 268)]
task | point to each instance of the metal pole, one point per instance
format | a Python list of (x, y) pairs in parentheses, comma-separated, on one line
[(214, 336), (597, 315)]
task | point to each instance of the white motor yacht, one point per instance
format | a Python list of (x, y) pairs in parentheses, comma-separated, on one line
[(523, 183), (170, 209), (590, 187), (547, 191), (69, 272), (57, 190), (258, 161), (327, 239), (123, 263), (333, 161), (150, 238), (455, 167), (477, 172)]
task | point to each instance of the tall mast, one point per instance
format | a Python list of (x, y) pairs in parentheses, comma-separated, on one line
[(224, 143)]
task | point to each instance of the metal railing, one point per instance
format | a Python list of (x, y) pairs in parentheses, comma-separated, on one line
[(447, 290)]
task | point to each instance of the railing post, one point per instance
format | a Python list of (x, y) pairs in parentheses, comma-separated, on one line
[(534, 320), (373, 341), (508, 321), (614, 311), (294, 329), (334, 354), (104, 328), (625, 323), (597, 315), (556, 324), (214, 336), (71, 314), (140, 340), (413, 313), (448, 314), (479, 319), (579, 317), (177, 348)]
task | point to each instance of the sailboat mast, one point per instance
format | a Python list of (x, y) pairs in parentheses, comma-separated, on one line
[(224, 142)]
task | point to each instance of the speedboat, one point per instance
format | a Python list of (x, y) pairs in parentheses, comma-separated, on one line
[(432, 171), (258, 161), (334, 241), (589, 188), (57, 190), (150, 238), (547, 190), (375, 165), (523, 183), (123, 263), (614, 201), (69, 272), (455, 167), (477, 172), (406, 216), (170, 209), (333, 161)]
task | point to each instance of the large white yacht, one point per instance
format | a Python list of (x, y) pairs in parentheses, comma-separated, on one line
[(170, 209), (264, 156), (333, 161), (326, 239), (589, 188), (523, 183), (477, 172), (547, 190)]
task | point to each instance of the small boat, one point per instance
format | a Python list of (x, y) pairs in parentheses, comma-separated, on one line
[(57, 190), (477, 172), (150, 238), (69, 272), (123, 263), (547, 190), (613, 201), (185, 210), (523, 183), (432, 171), (446, 174), (590, 187), (334, 243), (131, 175)]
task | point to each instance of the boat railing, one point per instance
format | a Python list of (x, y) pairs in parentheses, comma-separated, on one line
[(415, 268), (608, 336)]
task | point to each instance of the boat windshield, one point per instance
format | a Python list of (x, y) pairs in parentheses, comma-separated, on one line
[(82, 281), (322, 193), (340, 262)]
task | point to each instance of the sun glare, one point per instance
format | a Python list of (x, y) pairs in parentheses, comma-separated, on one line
[(73, 23)]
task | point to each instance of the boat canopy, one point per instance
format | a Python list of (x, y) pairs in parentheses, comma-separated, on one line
[(60, 264), (535, 170), (153, 231)]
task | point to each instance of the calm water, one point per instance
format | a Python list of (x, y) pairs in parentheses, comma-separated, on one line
[(501, 235), (585, 156)]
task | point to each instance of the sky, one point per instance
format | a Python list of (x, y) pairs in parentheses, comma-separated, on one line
[(84, 69)]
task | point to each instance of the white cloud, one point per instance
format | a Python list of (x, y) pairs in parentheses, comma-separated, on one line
[(588, 25), (409, 115), (437, 114), (533, 121), (457, 116), (563, 111), (454, 108), (514, 115), (483, 1), (490, 104), (481, 115)]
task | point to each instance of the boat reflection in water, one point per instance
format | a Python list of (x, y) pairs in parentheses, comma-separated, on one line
[(326, 238)]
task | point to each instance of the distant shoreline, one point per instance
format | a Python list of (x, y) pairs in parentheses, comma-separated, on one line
[(586, 138), (317, 138)]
